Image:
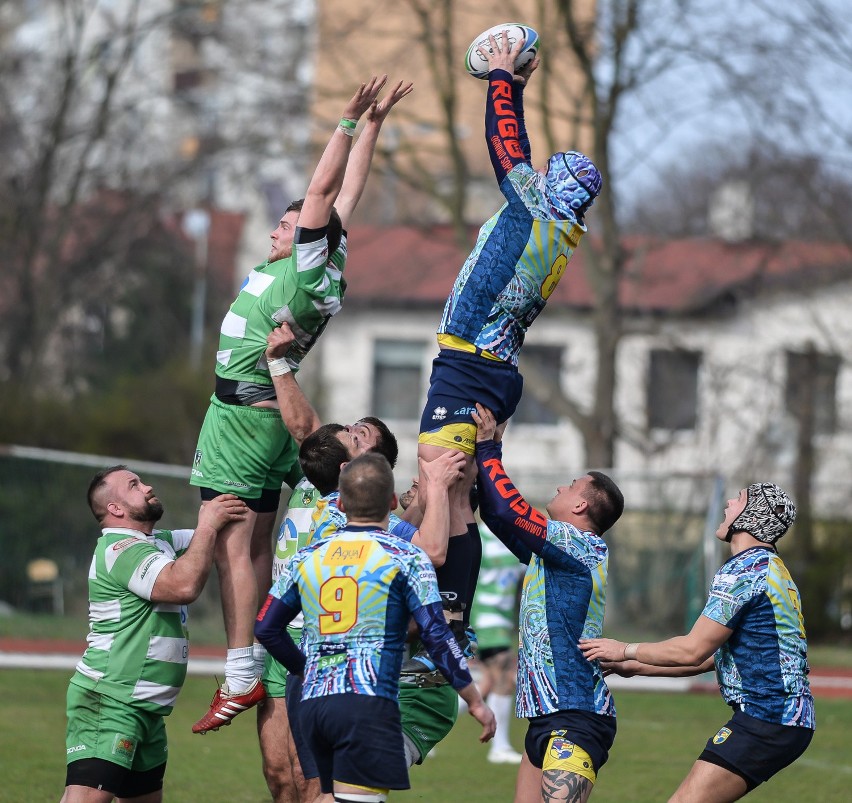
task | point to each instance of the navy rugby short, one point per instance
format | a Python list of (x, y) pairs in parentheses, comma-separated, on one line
[(595, 733), (459, 380), (355, 739), (755, 750)]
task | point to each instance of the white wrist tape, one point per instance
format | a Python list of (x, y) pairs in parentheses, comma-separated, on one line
[(278, 367)]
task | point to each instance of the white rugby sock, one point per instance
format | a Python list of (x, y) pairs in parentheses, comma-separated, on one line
[(239, 669), (501, 705)]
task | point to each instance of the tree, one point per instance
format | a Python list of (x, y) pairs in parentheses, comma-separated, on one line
[(114, 116)]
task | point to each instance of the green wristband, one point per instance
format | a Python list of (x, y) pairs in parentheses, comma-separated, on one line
[(346, 123)]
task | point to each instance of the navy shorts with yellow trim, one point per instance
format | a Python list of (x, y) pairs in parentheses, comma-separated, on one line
[(459, 380), (355, 739), (595, 733), (755, 750)]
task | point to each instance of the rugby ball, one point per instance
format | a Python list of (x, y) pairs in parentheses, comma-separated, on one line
[(477, 66)]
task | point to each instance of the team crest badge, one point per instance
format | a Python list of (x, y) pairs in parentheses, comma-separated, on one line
[(123, 746), (561, 749), (721, 736)]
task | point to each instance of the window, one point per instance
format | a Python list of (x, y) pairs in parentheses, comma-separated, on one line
[(673, 389), (811, 389), (540, 365), (397, 379)]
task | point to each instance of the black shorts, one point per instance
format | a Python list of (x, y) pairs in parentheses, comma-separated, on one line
[(356, 739), (97, 773), (755, 750), (293, 700), (459, 380), (595, 733)]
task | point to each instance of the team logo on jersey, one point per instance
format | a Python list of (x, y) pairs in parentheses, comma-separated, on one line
[(307, 498), (721, 736), (561, 749), (439, 413), (346, 554), (123, 746), (197, 459)]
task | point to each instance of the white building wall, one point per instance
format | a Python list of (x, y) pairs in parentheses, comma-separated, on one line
[(743, 430)]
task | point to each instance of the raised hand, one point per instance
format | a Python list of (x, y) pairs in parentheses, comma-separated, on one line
[(378, 111), (501, 56), (364, 97)]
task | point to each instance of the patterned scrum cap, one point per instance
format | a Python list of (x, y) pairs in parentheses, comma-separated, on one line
[(573, 182), (767, 515)]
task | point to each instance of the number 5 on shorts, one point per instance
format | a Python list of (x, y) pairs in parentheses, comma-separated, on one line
[(338, 596)]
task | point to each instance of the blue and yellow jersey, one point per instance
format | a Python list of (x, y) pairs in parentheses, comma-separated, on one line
[(563, 597), (357, 589), (520, 255), (521, 252), (328, 518), (763, 667), (563, 600)]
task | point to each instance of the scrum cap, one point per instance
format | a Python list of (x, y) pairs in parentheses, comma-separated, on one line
[(767, 515), (573, 182)]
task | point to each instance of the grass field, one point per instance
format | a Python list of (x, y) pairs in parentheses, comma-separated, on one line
[(659, 736)]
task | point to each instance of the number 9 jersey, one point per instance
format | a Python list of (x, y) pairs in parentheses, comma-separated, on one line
[(357, 590)]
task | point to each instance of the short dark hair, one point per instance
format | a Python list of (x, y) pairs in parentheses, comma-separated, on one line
[(387, 444), (320, 456), (606, 502), (366, 487), (93, 497), (334, 228)]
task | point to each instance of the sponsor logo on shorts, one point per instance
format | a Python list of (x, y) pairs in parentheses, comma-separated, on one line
[(439, 413), (197, 459), (722, 736), (449, 596), (561, 749), (123, 746), (78, 748), (464, 440)]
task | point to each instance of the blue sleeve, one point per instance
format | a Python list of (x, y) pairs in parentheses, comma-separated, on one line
[(270, 629), (502, 130), (401, 528), (508, 515), (518, 105), (442, 647)]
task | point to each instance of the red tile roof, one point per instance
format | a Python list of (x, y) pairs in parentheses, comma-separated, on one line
[(408, 266)]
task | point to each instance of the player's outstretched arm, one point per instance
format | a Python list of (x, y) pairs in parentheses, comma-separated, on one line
[(433, 486), (358, 167), (298, 414), (691, 650), (182, 580), (327, 180)]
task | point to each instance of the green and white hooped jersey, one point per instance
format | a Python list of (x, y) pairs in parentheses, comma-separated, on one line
[(303, 290), (138, 649), (293, 535)]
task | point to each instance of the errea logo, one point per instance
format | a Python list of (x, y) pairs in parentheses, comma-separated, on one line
[(439, 413)]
